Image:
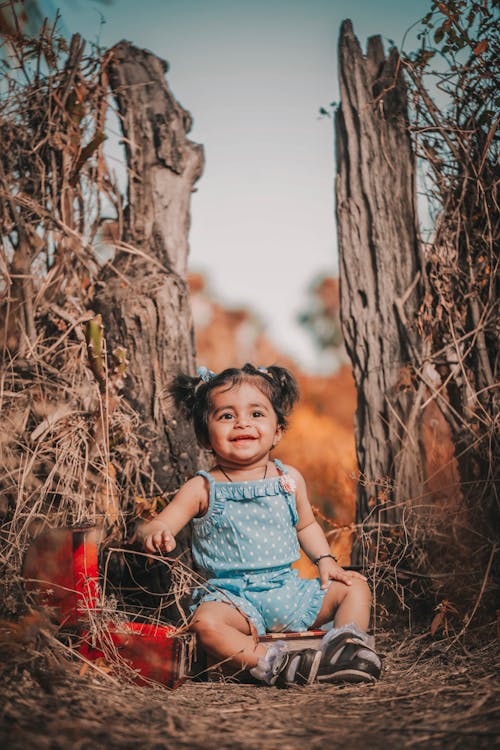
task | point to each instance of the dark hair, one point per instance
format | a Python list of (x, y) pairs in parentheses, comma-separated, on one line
[(192, 394)]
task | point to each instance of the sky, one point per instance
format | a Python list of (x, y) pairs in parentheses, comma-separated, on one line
[(254, 76)]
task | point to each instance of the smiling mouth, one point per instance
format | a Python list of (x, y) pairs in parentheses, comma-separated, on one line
[(242, 437)]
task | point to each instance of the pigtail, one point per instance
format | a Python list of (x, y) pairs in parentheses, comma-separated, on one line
[(287, 385), (184, 390)]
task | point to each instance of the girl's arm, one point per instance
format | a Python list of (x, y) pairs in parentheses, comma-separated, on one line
[(191, 500), (313, 541)]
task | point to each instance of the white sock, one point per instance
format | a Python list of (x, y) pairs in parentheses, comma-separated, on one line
[(265, 669)]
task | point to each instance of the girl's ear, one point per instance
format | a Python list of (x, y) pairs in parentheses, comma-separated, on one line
[(278, 436)]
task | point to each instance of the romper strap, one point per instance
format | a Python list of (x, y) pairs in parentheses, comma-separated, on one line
[(281, 467), (289, 494), (205, 474), (208, 476), (215, 504)]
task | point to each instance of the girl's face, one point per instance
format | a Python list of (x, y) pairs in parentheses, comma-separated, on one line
[(242, 425)]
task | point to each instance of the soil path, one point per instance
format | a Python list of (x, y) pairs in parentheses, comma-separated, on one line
[(431, 696)]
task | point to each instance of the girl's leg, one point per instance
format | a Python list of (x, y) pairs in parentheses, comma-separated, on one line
[(226, 634), (347, 653), (346, 605)]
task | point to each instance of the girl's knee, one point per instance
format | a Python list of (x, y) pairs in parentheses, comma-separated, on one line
[(213, 617), (205, 621), (360, 591)]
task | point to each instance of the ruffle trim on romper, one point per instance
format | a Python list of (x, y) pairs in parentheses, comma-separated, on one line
[(222, 491), (248, 490), (312, 611)]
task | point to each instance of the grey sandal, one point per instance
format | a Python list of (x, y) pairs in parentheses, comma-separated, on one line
[(297, 668), (342, 660)]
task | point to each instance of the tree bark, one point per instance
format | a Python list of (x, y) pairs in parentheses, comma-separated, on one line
[(144, 298), (379, 273)]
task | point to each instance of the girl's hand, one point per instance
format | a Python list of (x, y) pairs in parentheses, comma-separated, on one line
[(159, 540), (329, 570)]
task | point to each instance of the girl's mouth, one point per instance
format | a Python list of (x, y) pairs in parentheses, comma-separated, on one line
[(243, 437)]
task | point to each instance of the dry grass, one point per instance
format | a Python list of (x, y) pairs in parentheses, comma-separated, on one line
[(432, 694), (70, 446)]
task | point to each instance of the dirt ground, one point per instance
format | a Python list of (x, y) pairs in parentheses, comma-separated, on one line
[(433, 694)]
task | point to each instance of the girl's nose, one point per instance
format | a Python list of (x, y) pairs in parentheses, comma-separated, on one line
[(242, 420)]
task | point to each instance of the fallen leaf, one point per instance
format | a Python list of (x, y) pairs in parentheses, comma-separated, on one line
[(481, 47), (437, 621)]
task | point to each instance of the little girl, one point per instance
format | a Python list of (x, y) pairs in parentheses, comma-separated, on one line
[(249, 515)]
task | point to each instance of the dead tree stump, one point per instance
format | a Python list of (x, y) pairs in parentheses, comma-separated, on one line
[(379, 273), (144, 298)]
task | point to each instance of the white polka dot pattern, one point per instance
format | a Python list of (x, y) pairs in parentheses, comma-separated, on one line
[(249, 526)]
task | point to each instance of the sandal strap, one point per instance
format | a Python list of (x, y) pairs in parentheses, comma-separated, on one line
[(338, 642), (346, 647), (306, 664)]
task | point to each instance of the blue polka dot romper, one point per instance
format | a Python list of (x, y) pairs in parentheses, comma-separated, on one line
[(244, 546)]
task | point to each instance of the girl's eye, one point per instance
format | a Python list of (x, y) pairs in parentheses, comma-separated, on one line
[(257, 414), (226, 415)]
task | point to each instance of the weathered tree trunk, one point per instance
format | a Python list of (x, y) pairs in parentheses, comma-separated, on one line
[(145, 304), (423, 358), (379, 273)]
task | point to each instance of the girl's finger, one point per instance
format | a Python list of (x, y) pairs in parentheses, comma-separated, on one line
[(167, 541), (343, 577), (354, 574), (148, 545), (360, 576), (156, 544)]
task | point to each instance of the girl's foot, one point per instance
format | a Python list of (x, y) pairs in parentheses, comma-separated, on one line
[(347, 656), (281, 667)]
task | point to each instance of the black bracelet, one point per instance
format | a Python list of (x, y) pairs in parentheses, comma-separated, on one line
[(328, 554)]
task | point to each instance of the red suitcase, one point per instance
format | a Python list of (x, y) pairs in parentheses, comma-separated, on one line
[(61, 572)]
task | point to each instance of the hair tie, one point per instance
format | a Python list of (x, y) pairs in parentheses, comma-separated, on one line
[(205, 374), (264, 370)]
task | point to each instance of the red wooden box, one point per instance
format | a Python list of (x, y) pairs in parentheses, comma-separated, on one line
[(153, 652), (61, 572)]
